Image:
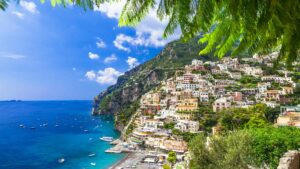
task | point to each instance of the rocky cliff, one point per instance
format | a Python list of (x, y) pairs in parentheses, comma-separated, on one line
[(122, 99)]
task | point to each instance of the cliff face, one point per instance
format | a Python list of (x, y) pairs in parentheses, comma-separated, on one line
[(122, 99)]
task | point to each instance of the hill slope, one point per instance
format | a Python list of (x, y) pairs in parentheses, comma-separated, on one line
[(122, 99)]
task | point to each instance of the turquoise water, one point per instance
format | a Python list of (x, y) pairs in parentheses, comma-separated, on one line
[(63, 137)]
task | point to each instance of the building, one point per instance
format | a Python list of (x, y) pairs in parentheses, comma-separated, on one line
[(187, 105), (163, 143), (262, 87), (287, 90), (153, 123), (253, 71), (221, 103), (235, 75), (237, 96), (182, 116), (187, 126), (290, 116), (272, 95)]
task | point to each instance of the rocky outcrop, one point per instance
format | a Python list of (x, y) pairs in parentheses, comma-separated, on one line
[(290, 160)]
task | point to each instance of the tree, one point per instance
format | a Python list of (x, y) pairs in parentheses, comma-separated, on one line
[(172, 157), (243, 148), (227, 152), (255, 26), (166, 166)]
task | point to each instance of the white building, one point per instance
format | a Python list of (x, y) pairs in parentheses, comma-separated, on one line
[(222, 103), (187, 126)]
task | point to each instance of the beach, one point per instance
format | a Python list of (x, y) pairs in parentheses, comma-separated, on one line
[(133, 160)]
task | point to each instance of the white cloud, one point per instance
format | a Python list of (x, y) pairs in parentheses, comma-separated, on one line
[(12, 56), (93, 55), (111, 10), (18, 14), (107, 76), (121, 39), (110, 58), (91, 75), (100, 43), (148, 32), (132, 62), (29, 6)]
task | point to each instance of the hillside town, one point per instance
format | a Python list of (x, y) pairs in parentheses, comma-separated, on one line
[(166, 115)]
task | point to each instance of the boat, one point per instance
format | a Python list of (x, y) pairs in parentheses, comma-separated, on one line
[(61, 160), (108, 139), (22, 125), (32, 128), (92, 155), (93, 164), (85, 130)]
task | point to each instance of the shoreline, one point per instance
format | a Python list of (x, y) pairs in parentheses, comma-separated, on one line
[(131, 160), (120, 162)]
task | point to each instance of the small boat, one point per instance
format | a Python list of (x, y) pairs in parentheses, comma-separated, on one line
[(85, 130), (93, 164), (45, 125), (61, 160), (92, 155), (56, 125), (108, 139), (32, 128), (22, 125)]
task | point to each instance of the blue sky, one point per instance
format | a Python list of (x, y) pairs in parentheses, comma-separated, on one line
[(61, 53)]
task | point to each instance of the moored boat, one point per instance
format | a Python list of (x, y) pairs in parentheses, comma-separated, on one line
[(61, 160), (108, 139)]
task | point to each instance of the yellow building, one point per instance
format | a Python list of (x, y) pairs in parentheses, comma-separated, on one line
[(187, 105)]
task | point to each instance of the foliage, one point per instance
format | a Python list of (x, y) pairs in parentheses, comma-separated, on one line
[(246, 79), (221, 76), (238, 118), (256, 26), (255, 147), (186, 136), (202, 72), (170, 125), (227, 152), (166, 166), (206, 117), (275, 86), (172, 157), (269, 144), (234, 88), (271, 114)]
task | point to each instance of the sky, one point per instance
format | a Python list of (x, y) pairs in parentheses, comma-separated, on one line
[(57, 53)]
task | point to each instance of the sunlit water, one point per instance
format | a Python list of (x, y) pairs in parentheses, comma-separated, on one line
[(64, 136)]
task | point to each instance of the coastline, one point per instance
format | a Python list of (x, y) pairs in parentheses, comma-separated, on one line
[(132, 160), (120, 162)]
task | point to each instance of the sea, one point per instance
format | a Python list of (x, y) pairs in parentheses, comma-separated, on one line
[(39, 134)]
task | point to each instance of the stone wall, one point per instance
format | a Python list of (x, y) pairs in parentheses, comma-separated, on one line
[(290, 160)]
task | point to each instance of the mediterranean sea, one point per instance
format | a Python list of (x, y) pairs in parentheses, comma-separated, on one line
[(36, 134)]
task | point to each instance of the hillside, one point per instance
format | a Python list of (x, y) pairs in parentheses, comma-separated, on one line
[(122, 98)]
